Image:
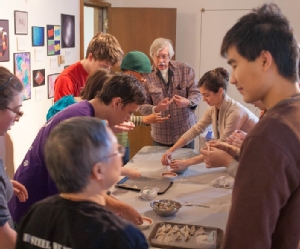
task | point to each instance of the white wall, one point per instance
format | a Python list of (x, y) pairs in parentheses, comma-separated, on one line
[(88, 25), (40, 13)]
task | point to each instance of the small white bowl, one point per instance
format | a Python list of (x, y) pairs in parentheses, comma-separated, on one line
[(169, 175), (147, 222)]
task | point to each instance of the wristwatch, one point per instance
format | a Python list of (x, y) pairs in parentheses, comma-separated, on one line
[(192, 104)]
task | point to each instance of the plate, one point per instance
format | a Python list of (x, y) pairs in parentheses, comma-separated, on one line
[(147, 222)]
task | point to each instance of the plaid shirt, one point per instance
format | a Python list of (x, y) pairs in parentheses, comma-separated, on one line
[(181, 82)]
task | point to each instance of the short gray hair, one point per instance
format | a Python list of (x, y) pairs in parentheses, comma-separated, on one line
[(72, 149), (159, 44)]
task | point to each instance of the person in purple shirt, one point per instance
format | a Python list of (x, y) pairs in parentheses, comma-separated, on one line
[(119, 99)]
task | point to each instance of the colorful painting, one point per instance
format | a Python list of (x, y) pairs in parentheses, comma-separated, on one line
[(51, 81), (38, 77), (22, 71), (38, 36), (21, 22), (67, 31), (53, 39), (4, 41)]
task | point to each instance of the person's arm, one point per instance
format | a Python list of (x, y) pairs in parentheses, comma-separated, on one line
[(233, 121), (194, 95), (131, 173), (8, 237), (126, 211), (63, 86), (167, 156)]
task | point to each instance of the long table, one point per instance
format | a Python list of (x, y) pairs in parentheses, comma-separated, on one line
[(194, 186)]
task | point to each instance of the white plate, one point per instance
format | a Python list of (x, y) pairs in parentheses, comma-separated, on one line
[(147, 222)]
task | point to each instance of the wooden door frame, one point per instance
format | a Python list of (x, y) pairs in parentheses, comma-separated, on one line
[(90, 3)]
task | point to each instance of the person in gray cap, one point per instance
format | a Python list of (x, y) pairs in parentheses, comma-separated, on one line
[(138, 65)]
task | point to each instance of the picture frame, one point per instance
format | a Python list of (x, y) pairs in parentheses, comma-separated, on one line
[(67, 31), (38, 77), (53, 40), (22, 70), (38, 36), (4, 40), (21, 22), (51, 81)]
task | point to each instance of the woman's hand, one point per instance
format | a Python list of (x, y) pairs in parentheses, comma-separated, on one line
[(216, 157), (178, 165), (166, 158), (20, 191), (236, 138)]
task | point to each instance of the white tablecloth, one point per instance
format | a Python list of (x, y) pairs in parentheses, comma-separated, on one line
[(192, 186)]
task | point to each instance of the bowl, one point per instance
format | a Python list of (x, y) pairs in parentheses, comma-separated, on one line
[(147, 222), (169, 175), (149, 193), (165, 208)]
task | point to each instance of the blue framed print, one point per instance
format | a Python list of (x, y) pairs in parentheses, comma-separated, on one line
[(38, 36)]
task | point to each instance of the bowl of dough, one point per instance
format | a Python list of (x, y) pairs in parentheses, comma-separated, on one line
[(165, 207)]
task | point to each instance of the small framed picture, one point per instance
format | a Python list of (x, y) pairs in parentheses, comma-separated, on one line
[(51, 81), (21, 22), (23, 73), (38, 36), (4, 40), (53, 40), (38, 77), (67, 31)]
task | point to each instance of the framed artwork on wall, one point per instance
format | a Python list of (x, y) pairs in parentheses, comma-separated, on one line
[(53, 39), (4, 40), (38, 77), (51, 81), (38, 36), (22, 71), (21, 22), (67, 31)]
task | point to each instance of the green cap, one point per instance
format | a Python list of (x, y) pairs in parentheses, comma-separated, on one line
[(136, 61)]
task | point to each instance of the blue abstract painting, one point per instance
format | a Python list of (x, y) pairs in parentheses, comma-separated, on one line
[(38, 36)]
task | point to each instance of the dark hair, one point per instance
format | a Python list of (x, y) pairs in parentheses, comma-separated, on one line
[(215, 79), (10, 85), (72, 149), (265, 28), (105, 47), (94, 84), (124, 86)]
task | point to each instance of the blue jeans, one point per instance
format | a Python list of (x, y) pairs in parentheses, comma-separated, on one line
[(126, 155)]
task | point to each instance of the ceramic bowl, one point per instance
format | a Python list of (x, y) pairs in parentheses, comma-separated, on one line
[(169, 175), (165, 207)]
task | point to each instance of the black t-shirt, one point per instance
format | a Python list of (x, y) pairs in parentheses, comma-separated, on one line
[(63, 224)]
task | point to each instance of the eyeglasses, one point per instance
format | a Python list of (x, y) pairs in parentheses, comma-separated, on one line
[(18, 113), (163, 56), (121, 152), (6, 83)]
